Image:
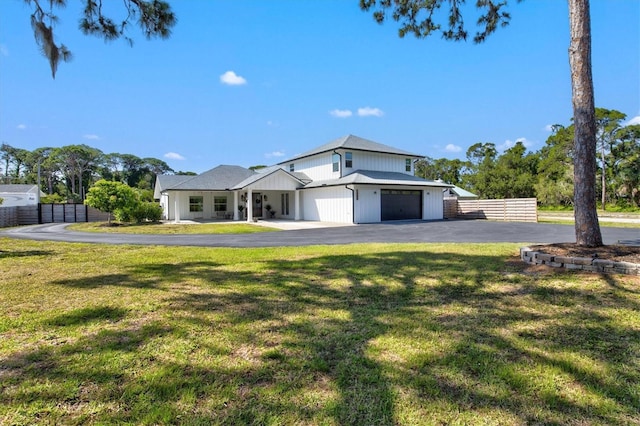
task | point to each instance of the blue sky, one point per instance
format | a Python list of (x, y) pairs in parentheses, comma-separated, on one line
[(255, 82)]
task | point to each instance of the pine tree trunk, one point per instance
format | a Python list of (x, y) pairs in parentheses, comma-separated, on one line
[(587, 226)]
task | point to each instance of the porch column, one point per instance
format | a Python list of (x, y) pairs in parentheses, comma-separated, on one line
[(236, 216), (176, 207), (296, 205), (249, 205)]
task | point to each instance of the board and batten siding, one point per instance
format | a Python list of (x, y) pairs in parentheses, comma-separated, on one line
[(363, 160), (432, 203), (166, 207), (367, 204), (317, 167), (320, 166), (207, 204), (278, 181), (331, 204)]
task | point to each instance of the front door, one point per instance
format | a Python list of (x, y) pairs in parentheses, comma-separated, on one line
[(257, 204)]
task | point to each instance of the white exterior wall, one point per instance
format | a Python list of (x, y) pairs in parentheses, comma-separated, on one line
[(279, 180), (432, 203), (208, 212), (320, 167), (17, 199), (274, 198), (367, 204), (166, 208), (331, 204), (375, 161)]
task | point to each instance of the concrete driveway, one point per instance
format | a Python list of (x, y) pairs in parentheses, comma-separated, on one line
[(454, 231)]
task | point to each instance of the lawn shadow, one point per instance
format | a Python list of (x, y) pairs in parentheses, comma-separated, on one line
[(148, 276), (88, 315), (6, 254), (306, 340)]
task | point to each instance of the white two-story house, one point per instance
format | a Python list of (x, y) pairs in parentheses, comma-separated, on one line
[(348, 180)]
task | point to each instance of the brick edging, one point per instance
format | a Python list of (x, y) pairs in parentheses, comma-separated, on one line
[(578, 263)]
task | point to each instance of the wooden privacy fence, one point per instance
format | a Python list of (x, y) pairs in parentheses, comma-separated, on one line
[(49, 213), (22, 215), (509, 209)]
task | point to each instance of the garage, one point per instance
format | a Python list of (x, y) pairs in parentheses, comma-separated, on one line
[(400, 204)]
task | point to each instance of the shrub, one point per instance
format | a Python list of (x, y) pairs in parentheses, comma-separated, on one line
[(147, 212)]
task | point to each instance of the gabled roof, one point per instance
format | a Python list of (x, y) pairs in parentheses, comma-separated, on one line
[(19, 188), (167, 181), (268, 171), (217, 179), (371, 177), (354, 143), (462, 193)]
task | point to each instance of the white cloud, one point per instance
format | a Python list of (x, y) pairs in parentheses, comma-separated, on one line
[(274, 154), (21, 126), (369, 112), (340, 113), (4, 50), (510, 144), (452, 148), (232, 79), (173, 156), (91, 137), (634, 120)]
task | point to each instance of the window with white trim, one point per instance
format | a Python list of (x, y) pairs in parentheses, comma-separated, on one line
[(348, 160), (335, 158), (407, 164), (220, 204), (284, 204), (196, 203)]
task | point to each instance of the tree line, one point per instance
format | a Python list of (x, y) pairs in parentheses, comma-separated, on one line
[(548, 174), (67, 173)]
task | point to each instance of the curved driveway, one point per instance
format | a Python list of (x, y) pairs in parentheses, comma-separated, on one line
[(456, 231)]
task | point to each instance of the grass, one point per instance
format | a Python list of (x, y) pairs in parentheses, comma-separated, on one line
[(360, 334), (603, 224), (170, 228)]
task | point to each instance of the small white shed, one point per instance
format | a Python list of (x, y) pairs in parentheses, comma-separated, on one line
[(20, 195)]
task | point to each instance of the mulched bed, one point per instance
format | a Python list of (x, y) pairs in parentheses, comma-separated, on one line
[(617, 253)]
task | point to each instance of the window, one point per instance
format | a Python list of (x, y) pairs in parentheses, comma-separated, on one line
[(195, 204), (407, 164), (220, 204), (292, 167), (348, 159), (336, 162), (284, 204)]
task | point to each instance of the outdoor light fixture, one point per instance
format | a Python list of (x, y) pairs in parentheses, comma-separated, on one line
[(265, 197)]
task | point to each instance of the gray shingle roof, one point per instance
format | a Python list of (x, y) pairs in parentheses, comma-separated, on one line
[(354, 143), (371, 177), (263, 173), (18, 188), (217, 179)]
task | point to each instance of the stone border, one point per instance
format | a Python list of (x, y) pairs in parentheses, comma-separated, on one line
[(578, 263)]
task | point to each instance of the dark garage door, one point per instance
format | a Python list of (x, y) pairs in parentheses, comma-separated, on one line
[(401, 205)]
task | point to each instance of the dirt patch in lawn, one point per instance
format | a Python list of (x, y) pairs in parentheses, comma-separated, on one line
[(616, 253)]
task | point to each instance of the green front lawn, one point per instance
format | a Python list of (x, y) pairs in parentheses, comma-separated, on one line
[(603, 224), (356, 334), (170, 228)]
